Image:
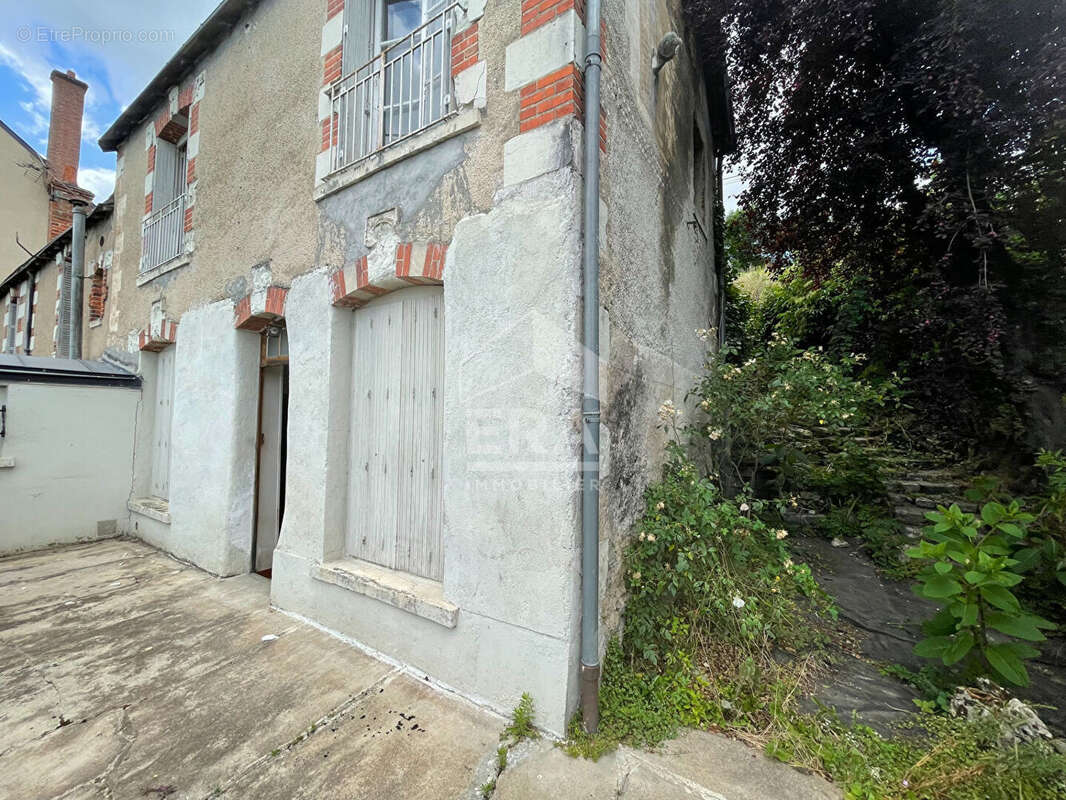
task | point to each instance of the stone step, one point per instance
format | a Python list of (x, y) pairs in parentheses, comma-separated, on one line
[(913, 532), (910, 515), (916, 487), (932, 504), (801, 520)]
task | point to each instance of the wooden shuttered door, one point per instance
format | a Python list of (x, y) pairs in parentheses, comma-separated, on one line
[(164, 400), (394, 512)]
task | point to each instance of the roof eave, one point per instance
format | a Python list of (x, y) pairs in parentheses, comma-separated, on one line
[(204, 39)]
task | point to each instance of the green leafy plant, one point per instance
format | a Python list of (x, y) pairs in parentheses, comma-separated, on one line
[(1045, 555), (970, 571), (522, 725), (934, 683), (1042, 553)]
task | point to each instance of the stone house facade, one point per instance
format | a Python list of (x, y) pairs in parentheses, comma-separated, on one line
[(346, 260)]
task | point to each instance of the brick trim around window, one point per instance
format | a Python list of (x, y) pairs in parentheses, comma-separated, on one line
[(181, 116)]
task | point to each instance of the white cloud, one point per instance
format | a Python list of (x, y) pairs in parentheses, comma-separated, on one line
[(98, 180), (35, 74), (131, 40)]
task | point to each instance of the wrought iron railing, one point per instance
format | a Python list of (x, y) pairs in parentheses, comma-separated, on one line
[(163, 234), (398, 93)]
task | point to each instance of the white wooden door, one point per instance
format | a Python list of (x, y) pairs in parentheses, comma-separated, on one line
[(394, 513), (164, 399), (268, 516)]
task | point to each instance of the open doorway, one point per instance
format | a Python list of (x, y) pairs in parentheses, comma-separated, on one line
[(273, 423)]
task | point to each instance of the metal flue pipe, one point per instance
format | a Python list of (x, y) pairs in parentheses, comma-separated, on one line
[(590, 403), (77, 275)]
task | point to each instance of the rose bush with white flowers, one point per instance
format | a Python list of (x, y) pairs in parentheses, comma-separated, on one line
[(704, 567), (787, 416)]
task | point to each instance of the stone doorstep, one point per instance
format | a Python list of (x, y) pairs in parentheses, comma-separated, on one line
[(419, 596), (152, 507)]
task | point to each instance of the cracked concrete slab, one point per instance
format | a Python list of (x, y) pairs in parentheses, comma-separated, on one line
[(695, 766), (127, 674)]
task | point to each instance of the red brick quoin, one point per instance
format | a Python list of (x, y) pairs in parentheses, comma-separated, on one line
[(536, 13), (561, 93), (464, 49), (257, 312)]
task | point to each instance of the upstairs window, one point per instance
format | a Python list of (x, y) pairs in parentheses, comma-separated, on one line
[(396, 67), (163, 235)]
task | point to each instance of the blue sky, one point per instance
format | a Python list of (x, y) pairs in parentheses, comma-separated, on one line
[(116, 46)]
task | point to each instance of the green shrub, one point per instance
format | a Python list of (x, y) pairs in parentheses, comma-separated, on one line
[(704, 566), (791, 413)]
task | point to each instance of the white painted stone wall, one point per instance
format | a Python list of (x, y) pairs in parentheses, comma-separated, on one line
[(65, 464), (212, 468), (511, 487)]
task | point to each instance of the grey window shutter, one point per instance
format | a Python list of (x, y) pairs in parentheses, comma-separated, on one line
[(359, 16), (163, 189), (63, 340), (12, 322)]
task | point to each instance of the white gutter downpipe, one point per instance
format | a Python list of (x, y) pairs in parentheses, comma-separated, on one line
[(590, 403), (77, 275)]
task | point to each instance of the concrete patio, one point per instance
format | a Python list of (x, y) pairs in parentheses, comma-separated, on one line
[(127, 674)]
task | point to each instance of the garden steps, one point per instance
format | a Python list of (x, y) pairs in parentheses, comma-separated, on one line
[(913, 493)]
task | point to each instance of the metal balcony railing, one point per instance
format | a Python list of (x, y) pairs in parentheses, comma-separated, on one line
[(398, 93), (163, 234)]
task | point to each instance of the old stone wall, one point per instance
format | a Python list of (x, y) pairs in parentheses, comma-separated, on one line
[(657, 281)]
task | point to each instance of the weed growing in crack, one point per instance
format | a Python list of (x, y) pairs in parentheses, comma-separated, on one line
[(521, 726)]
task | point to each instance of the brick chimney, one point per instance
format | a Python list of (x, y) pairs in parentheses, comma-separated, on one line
[(64, 149)]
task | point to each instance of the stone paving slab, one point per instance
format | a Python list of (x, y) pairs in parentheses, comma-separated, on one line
[(695, 766), (127, 674)]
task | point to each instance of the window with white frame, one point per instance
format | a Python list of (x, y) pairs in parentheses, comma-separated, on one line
[(161, 423), (396, 68), (394, 497)]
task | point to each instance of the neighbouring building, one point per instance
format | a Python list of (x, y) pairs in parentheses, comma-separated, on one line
[(43, 327), (346, 262), (36, 208)]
